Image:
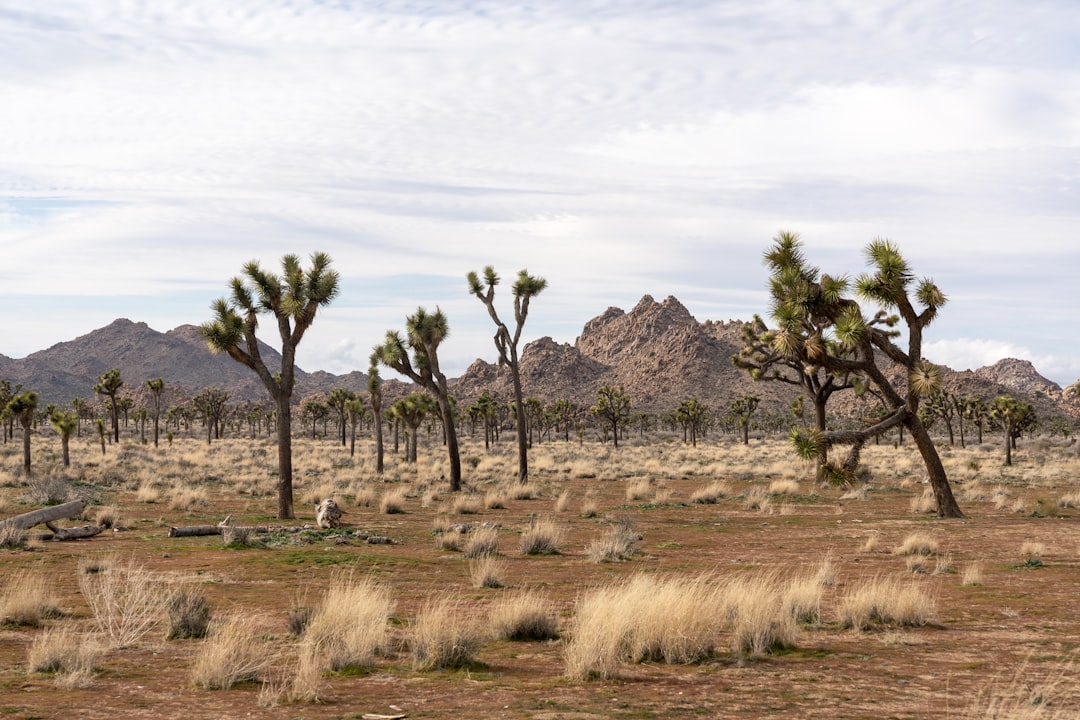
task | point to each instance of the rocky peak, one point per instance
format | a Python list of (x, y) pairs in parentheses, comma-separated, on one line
[(1019, 375)]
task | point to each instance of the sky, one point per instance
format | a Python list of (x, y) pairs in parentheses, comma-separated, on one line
[(617, 148)]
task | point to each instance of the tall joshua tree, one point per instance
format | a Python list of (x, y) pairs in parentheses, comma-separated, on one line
[(424, 333), (22, 408), (375, 396), (525, 287), (799, 291), (292, 298), (109, 385), (156, 386), (64, 423)]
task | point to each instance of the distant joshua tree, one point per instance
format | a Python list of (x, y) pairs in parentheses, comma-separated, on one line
[(506, 342), (156, 386), (22, 408), (109, 385), (338, 401), (292, 298), (424, 333), (375, 397), (612, 407), (1012, 416), (64, 423)]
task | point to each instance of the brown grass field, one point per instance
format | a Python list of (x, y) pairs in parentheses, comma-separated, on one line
[(715, 581)]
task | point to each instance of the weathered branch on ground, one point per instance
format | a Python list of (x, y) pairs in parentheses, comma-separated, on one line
[(224, 525), (48, 516)]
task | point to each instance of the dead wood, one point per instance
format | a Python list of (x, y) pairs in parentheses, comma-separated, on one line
[(45, 515), (59, 534)]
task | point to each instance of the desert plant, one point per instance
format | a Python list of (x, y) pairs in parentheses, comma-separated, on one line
[(638, 490), (393, 502), (27, 599), (125, 599), (917, 543), (711, 493), (887, 601), (487, 572), (350, 628), (972, 574), (562, 502), (189, 615), (443, 635), (524, 615), (542, 537), (232, 654), (466, 505), (616, 545), (484, 541), (67, 654)]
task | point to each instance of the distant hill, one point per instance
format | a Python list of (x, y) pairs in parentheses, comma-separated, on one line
[(657, 351)]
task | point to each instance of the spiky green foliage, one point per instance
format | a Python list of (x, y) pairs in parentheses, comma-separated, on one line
[(293, 298)]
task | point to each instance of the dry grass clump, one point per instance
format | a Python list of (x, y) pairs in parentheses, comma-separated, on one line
[(616, 545), (917, 543), (756, 498), (562, 502), (784, 487), (873, 541), (107, 516), (11, 537), (393, 501), (887, 601), (126, 600), (487, 571), (466, 505), (67, 654), (523, 492), (542, 537), (682, 620), (188, 498), (47, 489), (525, 615), (27, 599), (972, 574), (925, 503), (711, 493), (443, 635), (1032, 550), (484, 541), (638, 490), (149, 492), (189, 615), (589, 507), (496, 499), (350, 628), (365, 496), (859, 494), (232, 654), (1070, 500), (450, 540)]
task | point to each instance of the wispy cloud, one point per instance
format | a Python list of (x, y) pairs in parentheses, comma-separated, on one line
[(150, 149)]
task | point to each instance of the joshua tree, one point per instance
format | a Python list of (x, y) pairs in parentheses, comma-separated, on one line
[(742, 409), (691, 414), (64, 423), (612, 407), (109, 385), (338, 401), (99, 425), (799, 291), (212, 403), (156, 386), (765, 361), (375, 397), (315, 411), (506, 342), (5, 397), (355, 410), (22, 408), (413, 410), (82, 410), (425, 332), (1011, 415), (292, 298)]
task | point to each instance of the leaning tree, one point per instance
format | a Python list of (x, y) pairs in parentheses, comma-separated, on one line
[(525, 287), (292, 298), (425, 331), (801, 292)]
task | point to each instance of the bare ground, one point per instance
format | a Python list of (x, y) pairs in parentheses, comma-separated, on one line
[(1008, 637)]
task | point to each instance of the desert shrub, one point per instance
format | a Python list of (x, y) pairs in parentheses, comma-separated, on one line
[(125, 599), (524, 616), (972, 574), (495, 500), (924, 503), (466, 505), (47, 489), (784, 487), (11, 537), (562, 502), (451, 540), (638, 490), (859, 493), (365, 496), (187, 498), (232, 654), (351, 626), (710, 494), (487, 572), (107, 516), (589, 507), (443, 635), (523, 492), (542, 537), (70, 656), (393, 502), (616, 545), (298, 619), (873, 541), (27, 599), (1032, 694), (762, 613), (189, 615), (235, 536), (149, 492), (887, 601), (1032, 550), (917, 543), (485, 541), (756, 498)]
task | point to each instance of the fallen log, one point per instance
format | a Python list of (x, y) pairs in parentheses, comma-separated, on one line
[(59, 534), (201, 530), (44, 515)]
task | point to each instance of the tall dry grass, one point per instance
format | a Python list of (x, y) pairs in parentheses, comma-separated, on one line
[(886, 601), (126, 600), (350, 628), (233, 653), (444, 635), (27, 598)]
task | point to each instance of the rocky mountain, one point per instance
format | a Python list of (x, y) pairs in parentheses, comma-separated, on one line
[(657, 351)]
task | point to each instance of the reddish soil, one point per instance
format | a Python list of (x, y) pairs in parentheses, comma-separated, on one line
[(1018, 625)]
